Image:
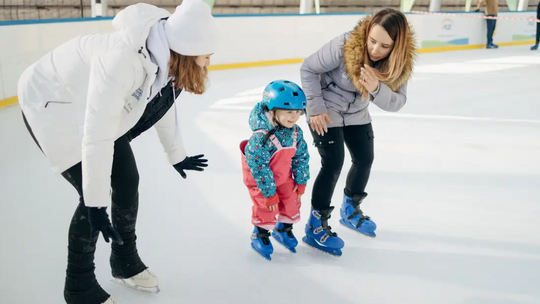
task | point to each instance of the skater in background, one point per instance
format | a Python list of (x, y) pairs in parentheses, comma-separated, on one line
[(492, 10), (275, 165), (370, 64), (535, 46), (87, 99)]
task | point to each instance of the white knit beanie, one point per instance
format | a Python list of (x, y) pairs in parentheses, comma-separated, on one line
[(191, 30)]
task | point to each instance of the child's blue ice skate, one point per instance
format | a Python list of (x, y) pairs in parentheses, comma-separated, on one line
[(260, 242), (352, 217), (283, 234), (319, 234)]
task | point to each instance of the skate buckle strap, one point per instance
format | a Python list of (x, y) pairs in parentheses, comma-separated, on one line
[(361, 214), (264, 234), (281, 230), (287, 230), (325, 227), (355, 202)]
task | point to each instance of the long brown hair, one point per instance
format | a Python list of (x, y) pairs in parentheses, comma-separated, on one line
[(396, 25), (187, 74)]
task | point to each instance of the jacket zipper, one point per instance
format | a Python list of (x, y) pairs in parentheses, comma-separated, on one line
[(140, 52)]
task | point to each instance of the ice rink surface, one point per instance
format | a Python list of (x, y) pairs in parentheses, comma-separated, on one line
[(454, 190)]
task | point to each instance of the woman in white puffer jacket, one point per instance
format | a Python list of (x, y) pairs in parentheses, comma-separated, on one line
[(87, 99)]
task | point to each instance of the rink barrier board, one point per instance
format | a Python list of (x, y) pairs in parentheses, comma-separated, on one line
[(67, 20), (13, 100), (429, 33)]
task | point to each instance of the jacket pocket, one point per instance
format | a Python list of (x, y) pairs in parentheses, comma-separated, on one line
[(50, 103)]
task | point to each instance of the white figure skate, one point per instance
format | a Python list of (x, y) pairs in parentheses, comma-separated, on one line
[(110, 301), (145, 281)]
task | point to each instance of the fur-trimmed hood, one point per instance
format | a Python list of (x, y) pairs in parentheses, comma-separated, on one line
[(353, 54)]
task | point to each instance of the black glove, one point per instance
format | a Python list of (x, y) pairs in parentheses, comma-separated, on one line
[(191, 163), (99, 219)]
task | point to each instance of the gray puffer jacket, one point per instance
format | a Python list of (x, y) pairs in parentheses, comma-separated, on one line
[(330, 80)]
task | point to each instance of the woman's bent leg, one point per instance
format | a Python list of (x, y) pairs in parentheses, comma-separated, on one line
[(125, 261), (81, 285)]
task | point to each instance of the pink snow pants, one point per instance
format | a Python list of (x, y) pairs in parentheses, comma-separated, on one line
[(288, 210)]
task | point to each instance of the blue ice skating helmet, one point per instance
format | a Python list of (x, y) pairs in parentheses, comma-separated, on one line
[(284, 95)]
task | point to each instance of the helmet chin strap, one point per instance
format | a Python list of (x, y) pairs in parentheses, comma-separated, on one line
[(277, 123), (277, 126)]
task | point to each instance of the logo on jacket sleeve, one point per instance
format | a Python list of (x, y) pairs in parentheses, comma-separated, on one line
[(137, 94)]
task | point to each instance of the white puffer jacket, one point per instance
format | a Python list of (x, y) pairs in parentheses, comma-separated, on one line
[(91, 90)]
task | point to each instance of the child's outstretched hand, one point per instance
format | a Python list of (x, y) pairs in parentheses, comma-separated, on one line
[(299, 195), (273, 207)]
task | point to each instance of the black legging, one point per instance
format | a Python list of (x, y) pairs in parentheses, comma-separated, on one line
[(81, 285), (331, 147)]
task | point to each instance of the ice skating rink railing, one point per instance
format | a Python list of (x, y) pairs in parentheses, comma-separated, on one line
[(258, 40)]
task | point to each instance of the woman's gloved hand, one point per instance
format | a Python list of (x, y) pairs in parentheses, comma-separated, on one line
[(99, 220), (191, 163)]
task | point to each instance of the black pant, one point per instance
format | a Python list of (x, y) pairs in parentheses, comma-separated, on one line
[(331, 147), (81, 286), (491, 23)]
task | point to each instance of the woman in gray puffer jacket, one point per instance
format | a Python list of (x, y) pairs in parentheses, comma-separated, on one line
[(371, 63)]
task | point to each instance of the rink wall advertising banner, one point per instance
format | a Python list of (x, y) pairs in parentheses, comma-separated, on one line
[(444, 31), (251, 40), (512, 30)]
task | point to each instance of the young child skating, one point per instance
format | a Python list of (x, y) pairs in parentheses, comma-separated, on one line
[(275, 165)]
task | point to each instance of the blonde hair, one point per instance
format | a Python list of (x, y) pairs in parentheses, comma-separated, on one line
[(187, 74), (396, 25)]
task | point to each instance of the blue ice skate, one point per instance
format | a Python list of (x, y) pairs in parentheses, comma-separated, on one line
[(283, 234), (260, 242), (320, 235), (353, 218)]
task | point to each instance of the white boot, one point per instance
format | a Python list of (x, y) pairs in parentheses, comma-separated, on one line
[(145, 281), (110, 301)]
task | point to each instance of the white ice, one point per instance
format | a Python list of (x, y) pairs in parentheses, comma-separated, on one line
[(454, 190)]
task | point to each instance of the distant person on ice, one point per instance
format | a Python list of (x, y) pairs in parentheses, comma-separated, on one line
[(492, 10), (370, 64), (535, 46), (275, 165), (87, 99)]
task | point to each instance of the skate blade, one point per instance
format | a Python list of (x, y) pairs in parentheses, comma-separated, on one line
[(265, 256), (127, 283), (291, 249), (332, 252), (370, 234)]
